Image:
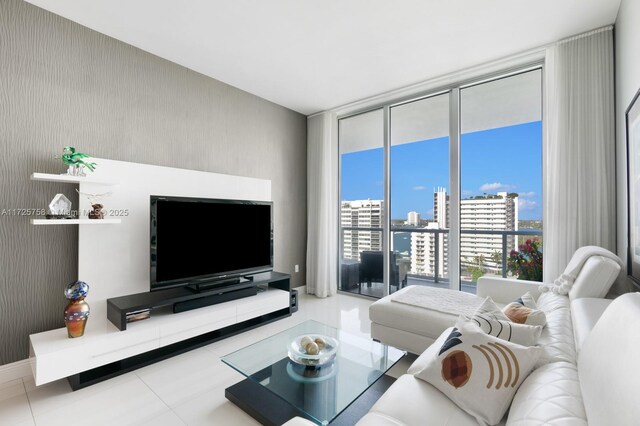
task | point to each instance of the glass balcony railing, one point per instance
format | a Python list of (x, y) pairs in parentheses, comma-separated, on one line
[(486, 252), (420, 256)]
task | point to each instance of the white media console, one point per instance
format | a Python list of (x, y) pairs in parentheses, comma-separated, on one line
[(110, 351), (114, 261)]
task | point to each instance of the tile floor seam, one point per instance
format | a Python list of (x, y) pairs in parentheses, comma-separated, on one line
[(152, 391), (24, 386)]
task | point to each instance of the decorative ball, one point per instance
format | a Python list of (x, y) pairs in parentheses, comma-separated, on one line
[(305, 341), (76, 290), (312, 348), (320, 342)]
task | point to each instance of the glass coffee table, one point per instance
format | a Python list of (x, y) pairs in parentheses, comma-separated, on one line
[(277, 388)]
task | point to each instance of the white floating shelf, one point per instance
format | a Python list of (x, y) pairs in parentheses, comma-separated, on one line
[(75, 221), (47, 177)]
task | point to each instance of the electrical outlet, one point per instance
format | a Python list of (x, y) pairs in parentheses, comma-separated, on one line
[(297, 268)]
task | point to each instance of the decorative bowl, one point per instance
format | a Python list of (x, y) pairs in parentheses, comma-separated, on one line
[(325, 355)]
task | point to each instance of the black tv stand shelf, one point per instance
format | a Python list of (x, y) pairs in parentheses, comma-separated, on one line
[(184, 299)]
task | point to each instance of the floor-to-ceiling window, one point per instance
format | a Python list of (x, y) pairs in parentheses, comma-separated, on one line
[(500, 172), (419, 171), (458, 174), (361, 203)]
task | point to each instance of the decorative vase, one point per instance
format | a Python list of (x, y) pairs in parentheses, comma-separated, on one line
[(77, 311), (96, 211)]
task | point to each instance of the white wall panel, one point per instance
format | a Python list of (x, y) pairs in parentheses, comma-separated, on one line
[(114, 259)]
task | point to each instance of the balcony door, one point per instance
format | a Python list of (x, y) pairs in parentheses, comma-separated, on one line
[(440, 190), (362, 205), (500, 173), (419, 178)]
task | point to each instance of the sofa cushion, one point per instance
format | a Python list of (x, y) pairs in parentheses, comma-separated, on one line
[(411, 401), (413, 319), (556, 339), (595, 278), (585, 313), (490, 318), (549, 396), (525, 335), (505, 290), (489, 308), (607, 365), (480, 373), (524, 310)]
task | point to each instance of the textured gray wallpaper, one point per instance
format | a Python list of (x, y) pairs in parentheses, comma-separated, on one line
[(63, 84)]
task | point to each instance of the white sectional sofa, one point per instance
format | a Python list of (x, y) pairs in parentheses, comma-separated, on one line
[(588, 374), (595, 382)]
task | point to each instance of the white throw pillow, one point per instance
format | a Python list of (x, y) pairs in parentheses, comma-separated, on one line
[(526, 335), (525, 311), (490, 309), (478, 372)]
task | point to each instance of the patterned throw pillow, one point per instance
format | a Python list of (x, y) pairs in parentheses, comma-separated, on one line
[(478, 372), (525, 311), (490, 309), (526, 335)]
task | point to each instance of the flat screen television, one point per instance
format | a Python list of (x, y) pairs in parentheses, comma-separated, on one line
[(203, 242)]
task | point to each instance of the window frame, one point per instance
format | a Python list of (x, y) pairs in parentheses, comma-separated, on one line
[(454, 166)]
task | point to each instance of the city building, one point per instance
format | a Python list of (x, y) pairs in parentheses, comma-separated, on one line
[(487, 213), (363, 214), (429, 249), (413, 219), (429, 254)]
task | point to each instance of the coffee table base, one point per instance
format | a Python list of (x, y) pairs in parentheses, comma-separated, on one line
[(270, 410)]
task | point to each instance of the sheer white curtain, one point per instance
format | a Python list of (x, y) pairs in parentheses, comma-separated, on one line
[(322, 204), (579, 189)]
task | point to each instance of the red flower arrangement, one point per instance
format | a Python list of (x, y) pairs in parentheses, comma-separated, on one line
[(526, 263)]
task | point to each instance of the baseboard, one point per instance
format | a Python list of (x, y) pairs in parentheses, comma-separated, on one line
[(15, 370)]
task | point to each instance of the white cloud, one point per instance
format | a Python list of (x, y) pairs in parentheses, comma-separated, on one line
[(526, 205), (419, 188), (526, 194), (495, 186), (467, 192)]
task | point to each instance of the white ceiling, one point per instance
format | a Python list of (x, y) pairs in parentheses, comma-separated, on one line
[(311, 56)]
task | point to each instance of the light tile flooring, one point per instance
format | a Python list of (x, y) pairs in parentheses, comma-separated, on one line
[(184, 390)]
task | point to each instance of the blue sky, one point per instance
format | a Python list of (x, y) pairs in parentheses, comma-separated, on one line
[(503, 159)]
